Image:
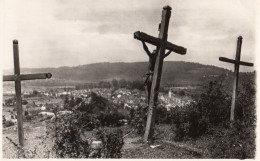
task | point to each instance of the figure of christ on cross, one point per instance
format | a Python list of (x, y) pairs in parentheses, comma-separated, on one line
[(149, 75)]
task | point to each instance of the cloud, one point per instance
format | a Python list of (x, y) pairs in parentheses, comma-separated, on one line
[(65, 32)]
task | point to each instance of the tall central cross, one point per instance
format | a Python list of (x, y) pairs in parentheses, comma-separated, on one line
[(17, 78), (236, 63), (162, 44)]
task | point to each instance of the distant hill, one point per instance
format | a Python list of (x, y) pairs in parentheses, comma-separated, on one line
[(176, 72)]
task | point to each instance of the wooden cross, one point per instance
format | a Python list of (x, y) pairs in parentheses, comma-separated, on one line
[(161, 44), (17, 77), (236, 63)]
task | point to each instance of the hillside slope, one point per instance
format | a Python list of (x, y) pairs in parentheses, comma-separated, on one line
[(173, 72)]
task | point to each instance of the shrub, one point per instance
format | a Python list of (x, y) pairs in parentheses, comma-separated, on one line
[(212, 109), (110, 118), (162, 115), (8, 123), (188, 122), (28, 117), (138, 118), (68, 142), (112, 142), (234, 142)]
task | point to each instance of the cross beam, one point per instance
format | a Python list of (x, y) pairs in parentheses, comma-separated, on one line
[(17, 78), (161, 44), (157, 42), (236, 63), (26, 77)]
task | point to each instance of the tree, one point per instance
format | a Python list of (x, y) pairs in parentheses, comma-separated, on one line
[(24, 102), (72, 102), (35, 92), (66, 102), (122, 83), (78, 101), (182, 93), (114, 83)]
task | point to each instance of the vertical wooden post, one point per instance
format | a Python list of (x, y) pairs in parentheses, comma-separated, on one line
[(236, 63), (236, 75), (17, 78), (166, 13), (18, 93)]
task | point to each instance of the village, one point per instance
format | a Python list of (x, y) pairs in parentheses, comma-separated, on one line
[(45, 101)]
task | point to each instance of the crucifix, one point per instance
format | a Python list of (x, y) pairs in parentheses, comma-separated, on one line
[(236, 63), (17, 78), (161, 44)]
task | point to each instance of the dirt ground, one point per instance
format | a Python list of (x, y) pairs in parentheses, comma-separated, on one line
[(34, 134), (37, 146)]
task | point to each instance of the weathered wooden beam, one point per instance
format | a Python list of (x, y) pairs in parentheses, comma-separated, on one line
[(149, 130), (18, 93), (157, 42), (17, 77), (235, 81), (234, 61), (27, 76)]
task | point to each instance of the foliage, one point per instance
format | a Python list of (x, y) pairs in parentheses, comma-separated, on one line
[(24, 102), (66, 102), (111, 118), (245, 109), (68, 142), (28, 117), (188, 122), (138, 118), (71, 102), (182, 93), (10, 101), (215, 103), (112, 142), (3, 119), (210, 115), (122, 83), (114, 83), (8, 123), (162, 115), (237, 142)]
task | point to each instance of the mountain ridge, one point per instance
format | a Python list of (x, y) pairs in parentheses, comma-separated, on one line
[(172, 71)]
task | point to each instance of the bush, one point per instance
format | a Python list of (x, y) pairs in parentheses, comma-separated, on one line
[(138, 118), (234, 142), (8, 123), (112, 142), (28, 117), (188, 122), (210, 115), (212, 109), (68, 140), (162, 115), (110, 118)]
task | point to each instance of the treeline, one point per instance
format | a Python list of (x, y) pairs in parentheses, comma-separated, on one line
[(121, 83)]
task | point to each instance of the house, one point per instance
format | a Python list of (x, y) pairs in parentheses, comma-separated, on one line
[(43, 107)]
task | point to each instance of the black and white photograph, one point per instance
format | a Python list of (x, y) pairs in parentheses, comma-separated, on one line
[(129, 79)]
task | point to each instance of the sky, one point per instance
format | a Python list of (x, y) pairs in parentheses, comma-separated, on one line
[(54, 33)]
